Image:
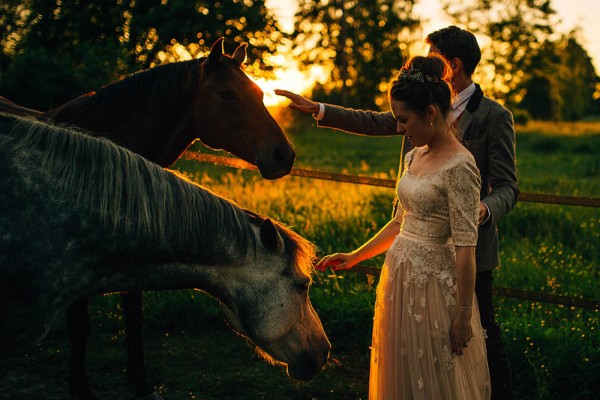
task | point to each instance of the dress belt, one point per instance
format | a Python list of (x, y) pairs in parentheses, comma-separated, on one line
[(425, 239)]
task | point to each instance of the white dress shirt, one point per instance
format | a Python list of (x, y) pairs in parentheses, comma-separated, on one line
[(459, 103)]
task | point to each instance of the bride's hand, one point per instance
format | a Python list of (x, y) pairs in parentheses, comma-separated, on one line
[(337, 262), (461, 333)]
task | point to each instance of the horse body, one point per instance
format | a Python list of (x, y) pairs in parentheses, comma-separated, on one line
[(120, 223)]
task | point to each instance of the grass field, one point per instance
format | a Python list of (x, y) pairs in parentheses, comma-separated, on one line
[(554, 350)]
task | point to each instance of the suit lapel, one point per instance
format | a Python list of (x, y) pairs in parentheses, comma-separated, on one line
[(467, 117), (475, 99), (463, 124)]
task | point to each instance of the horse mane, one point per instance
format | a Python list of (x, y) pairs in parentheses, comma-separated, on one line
[(118, 185), (153, 87)]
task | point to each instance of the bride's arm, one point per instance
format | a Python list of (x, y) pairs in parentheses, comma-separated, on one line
[(461, 331), (374, 246)]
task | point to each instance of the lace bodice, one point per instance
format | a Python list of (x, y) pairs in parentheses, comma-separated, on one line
[(443, 203)]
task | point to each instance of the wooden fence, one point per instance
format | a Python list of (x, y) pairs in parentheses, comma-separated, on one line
[(390, 183)]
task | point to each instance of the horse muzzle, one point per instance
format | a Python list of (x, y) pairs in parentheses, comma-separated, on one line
[(309, 363), (277, 164)]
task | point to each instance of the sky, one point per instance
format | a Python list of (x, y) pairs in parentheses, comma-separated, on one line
[(572, 13)]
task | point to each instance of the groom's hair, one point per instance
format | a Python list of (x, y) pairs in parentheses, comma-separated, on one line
[(454, 42)]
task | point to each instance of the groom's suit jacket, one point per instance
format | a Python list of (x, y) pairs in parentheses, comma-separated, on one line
[(486, 129)]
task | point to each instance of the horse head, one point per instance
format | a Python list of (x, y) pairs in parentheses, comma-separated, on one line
[(230, 114), (269, 302)]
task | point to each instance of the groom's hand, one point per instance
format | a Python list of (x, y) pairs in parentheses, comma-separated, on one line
[(299, 103)]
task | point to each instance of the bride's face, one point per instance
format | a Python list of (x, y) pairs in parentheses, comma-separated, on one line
[(412, 125)]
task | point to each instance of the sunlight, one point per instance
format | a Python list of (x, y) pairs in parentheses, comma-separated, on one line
[(288, 77)]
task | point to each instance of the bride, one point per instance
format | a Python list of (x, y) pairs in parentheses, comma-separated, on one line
[(428, 342)]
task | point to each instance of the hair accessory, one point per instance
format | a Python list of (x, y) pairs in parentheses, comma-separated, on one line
[(412, 74)]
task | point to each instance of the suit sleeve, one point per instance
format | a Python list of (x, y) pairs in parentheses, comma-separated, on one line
[(369, 123), (502, 166)]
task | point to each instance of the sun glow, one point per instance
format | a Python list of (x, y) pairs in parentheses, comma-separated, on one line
[(288, 77)]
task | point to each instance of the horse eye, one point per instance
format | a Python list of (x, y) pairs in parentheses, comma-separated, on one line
[(227, 94)]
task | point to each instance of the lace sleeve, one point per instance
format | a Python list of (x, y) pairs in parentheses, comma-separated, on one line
[(463, 186)]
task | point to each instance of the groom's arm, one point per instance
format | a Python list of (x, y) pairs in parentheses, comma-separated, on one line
[(370, 123), (360, 122)]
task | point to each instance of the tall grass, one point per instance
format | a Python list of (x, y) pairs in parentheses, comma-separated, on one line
[(554, 350)]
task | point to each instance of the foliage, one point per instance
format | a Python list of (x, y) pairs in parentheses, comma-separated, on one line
[(52, 51), (516, 29), (521, 117), (564, 84), (524, 66), (360, 42)]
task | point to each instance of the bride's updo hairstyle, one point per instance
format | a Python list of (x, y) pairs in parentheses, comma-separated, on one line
[(423, 81)]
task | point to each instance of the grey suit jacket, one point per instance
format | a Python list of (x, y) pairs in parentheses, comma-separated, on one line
[(487, 130)]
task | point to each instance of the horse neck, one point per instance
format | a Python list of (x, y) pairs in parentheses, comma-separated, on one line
[(135, 259), (208, 278), (157, 127)]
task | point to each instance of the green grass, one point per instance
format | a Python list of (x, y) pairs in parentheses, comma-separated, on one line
[(554, 350), (560, 165)]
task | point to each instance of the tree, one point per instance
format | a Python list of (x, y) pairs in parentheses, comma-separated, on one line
[(359, 42), (155, 27), (51, 53), (54, 50), (516, 29), (564, 82)]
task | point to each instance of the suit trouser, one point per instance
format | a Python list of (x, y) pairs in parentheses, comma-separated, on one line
[(500, 373)]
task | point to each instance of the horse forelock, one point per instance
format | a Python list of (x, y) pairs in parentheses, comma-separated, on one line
[(301, 251), (131, 194)]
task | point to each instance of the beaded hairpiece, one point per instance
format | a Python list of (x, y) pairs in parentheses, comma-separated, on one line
[(412, 74)]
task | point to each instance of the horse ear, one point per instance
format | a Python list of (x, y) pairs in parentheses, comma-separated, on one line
[(216, 51), (270, 237), (239, 55)]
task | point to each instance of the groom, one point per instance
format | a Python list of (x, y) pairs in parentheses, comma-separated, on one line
[(486, 129)]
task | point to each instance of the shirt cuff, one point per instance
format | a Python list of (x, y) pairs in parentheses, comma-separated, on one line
[(319, 116), (489, 214)]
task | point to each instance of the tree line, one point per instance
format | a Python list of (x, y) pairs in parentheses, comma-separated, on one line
[(55, 50)]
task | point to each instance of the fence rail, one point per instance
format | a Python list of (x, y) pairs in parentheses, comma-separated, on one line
[(390, 183)]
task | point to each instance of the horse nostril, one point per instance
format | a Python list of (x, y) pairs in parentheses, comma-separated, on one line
[(284, 154)]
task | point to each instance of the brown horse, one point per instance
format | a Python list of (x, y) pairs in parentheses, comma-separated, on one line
[(11, 107), (140, 227), (158, 113)]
